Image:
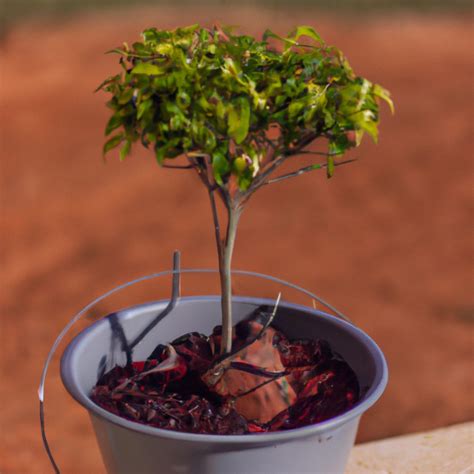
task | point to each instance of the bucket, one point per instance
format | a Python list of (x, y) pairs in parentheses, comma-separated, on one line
[(132, 448)]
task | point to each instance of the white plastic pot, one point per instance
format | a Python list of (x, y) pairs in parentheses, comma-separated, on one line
[(132, 448)]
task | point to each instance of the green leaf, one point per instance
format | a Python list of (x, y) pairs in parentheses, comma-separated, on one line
[(384, 94), (270, 34), (359, 134), (150, 34), (148, 69), (220, 110), (289, 42), (239, 120), (339, 144), (245, 179), (126, 96), (114, 122), (112, 143), (125, 150), (210, 141), (220, 167), (372, 129), (169, 149), (364, 121), (160, 154), (204, 104), (306, 31), (329, 119), (239, 164), (143, 108), (295, 108), (164, 48), (183, 100), (362, 91), (107, 81), (231, 66), (189, 29)]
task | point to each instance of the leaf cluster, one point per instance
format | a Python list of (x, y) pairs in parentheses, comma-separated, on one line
[(236, 106)]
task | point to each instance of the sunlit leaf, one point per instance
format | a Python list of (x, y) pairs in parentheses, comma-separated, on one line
[(239, 164), (306, 31), (364, 121), (295, 109), (270, 34), (239, 120), (384, 94), (149, 69), (220, 167)]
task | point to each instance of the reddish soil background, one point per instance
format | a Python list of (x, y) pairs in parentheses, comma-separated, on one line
[(387, 240)]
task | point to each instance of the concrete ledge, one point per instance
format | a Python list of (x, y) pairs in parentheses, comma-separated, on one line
[(447, 450)]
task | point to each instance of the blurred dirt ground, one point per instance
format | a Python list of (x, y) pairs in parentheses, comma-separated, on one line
[(387, 240)]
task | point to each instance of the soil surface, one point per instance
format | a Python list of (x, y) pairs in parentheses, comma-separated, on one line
[(386, 240)]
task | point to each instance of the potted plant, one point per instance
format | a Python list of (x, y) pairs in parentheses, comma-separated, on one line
[(233, 110)]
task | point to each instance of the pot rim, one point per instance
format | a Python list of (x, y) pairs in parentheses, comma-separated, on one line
[(370, 397)]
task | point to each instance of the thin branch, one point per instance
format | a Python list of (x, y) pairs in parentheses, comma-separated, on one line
[(260, 179), (319, 153), (272, 149), (133, 55), (306, 170), (179, 167), (200, 170), (273, 165), (303, 143), (269, 142)]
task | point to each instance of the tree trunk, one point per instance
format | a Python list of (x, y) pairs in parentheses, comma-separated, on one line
[(225, 261)]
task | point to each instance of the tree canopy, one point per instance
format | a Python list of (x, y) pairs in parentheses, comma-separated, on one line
[(241, 104)]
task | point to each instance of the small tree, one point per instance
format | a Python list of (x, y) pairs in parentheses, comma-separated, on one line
[(237, 109)]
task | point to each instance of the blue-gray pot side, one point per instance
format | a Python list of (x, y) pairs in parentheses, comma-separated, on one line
[(133, 448)]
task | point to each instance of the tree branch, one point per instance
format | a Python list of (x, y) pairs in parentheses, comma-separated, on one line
[(303, 143), (319, 153), (200, 169), (273, 165), (306, 169), (179, 167)]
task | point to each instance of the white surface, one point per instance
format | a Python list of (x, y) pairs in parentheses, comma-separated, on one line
[(447, 450)]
